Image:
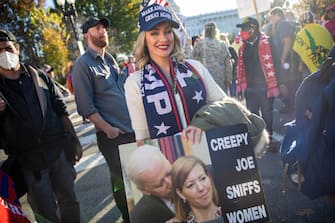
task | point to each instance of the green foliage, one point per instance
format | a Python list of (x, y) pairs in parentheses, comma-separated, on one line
[(318, 7), (14, 16), (123, 16), (40, 33), (53, 38)]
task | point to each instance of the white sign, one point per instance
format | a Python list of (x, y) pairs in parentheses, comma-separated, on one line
[(247, 7)]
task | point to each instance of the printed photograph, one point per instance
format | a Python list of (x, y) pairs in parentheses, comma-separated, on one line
[(170, 179)]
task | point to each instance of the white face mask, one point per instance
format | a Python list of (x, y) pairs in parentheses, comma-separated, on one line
[(8, 60)]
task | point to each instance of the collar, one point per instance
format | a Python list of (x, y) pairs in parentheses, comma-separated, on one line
[(94, 54), (169, 204), (24, 71)]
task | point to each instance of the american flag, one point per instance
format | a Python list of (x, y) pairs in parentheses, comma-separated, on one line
[(150, 2)]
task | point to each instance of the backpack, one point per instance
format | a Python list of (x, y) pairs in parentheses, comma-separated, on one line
[(308, 147)]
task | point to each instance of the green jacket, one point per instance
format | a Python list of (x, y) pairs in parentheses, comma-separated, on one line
[(229, 111)]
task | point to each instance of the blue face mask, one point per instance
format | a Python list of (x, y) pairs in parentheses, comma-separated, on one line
[(8, 60)]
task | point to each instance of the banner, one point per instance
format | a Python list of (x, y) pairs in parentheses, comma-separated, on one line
[(10, 208), (247, 7), (227, 150)]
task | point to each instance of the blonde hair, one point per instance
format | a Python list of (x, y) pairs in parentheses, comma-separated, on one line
[(180, 170), (211, 31), (142, 54)]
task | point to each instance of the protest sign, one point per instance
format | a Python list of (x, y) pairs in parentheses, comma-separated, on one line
[(230, 154), (236, 175)]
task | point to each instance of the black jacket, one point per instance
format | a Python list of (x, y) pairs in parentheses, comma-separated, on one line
[(30, 126), (150, 209)]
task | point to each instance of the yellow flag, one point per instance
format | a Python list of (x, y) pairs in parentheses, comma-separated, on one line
[(313, 44)]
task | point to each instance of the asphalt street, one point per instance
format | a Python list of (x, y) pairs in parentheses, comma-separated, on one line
[(96, 199)]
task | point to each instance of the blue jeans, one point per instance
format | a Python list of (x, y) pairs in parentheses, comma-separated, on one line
[(53, 188), (259, 104), (110, 150)]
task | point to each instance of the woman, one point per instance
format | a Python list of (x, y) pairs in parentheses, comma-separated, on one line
[(195, 196), (166, 91)]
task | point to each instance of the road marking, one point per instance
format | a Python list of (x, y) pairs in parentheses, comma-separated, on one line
[(89, 139), (90, 161)]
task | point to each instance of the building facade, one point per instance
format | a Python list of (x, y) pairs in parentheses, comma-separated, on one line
[(225, 20)]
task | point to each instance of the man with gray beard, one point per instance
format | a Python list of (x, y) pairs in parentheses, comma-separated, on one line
[(99, 95)]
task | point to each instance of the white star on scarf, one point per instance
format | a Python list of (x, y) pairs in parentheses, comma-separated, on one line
[(162, 128), (269, 65), (267, 56), (271, 74), (198, 96)]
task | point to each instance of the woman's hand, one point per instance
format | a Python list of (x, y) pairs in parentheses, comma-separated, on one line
[(192, 134)]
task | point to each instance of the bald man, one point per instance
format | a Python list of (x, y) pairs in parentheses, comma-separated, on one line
[(151, 173)]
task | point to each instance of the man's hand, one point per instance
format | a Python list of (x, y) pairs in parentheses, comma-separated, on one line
[(112, 132)]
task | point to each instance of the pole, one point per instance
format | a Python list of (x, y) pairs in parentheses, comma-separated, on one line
[(71, 13), (179, 21), (256, 10), (79, 42)]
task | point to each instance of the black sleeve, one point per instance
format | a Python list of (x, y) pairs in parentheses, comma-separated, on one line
[(276, 62)]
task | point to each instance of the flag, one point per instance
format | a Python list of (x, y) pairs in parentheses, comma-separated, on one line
[(10, 207), (150, 2), (313, 43)]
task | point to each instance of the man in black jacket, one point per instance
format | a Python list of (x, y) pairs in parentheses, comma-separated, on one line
[(33, 125), (151, 172)]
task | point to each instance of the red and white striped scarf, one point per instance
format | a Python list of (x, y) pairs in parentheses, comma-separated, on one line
[(265, 56)]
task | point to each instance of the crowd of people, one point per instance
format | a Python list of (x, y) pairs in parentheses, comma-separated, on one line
[(155, 94)]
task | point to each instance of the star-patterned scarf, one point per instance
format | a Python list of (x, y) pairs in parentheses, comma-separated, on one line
[(265, 57), (158, 98)]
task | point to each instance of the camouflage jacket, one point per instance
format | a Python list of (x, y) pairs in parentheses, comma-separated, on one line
[(215, 56)]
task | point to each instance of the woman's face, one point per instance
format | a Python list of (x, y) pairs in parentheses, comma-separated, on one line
[(160, 41), (197, 188)]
